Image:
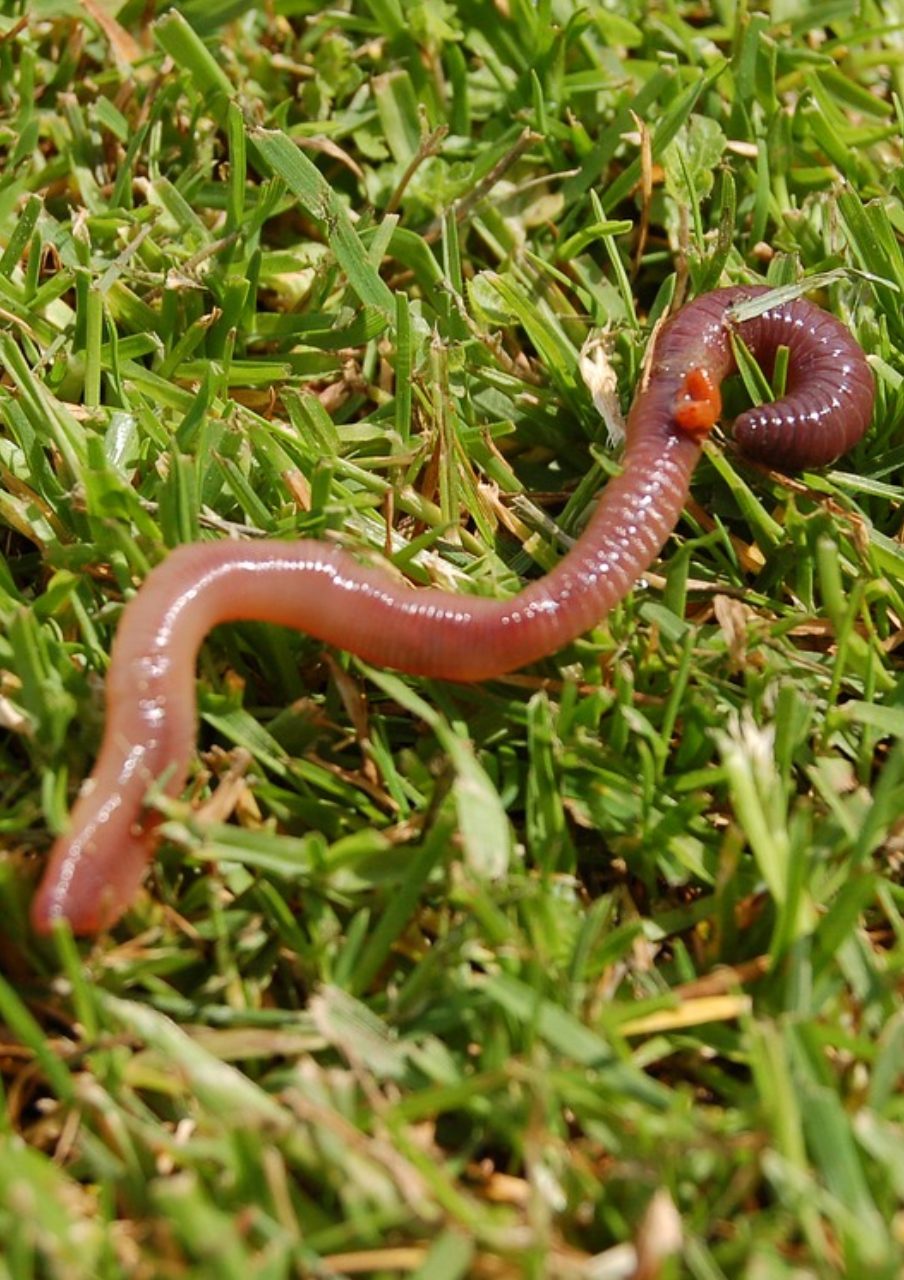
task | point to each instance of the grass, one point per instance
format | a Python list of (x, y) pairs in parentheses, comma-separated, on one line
[(592, 972)]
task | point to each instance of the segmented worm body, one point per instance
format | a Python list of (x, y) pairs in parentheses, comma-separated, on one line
[(316, 587)]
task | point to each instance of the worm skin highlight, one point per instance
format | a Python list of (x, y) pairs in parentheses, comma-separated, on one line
[(95, 869)]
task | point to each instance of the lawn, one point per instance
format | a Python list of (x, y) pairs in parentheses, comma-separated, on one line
[(593, 972)]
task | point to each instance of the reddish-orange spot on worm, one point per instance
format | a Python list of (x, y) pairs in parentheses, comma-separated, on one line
[(699, 404)]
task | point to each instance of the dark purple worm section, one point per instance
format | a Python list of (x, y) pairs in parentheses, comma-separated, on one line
[(96, 868), (828, 400)]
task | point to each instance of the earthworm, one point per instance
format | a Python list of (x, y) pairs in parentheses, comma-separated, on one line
[(96, 868)]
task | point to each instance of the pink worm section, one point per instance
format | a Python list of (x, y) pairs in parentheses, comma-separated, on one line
[(315, 587)]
